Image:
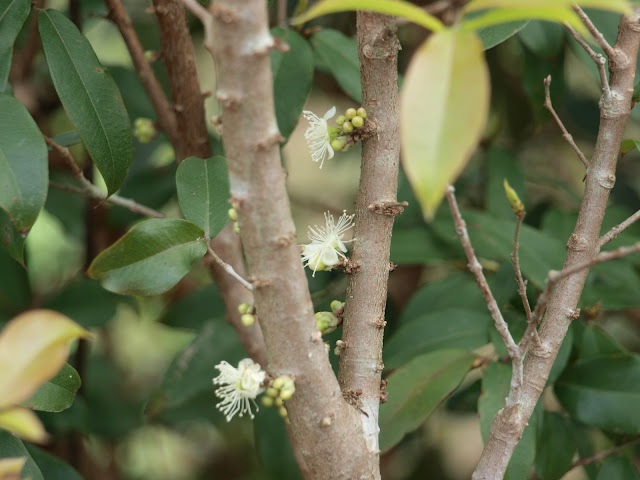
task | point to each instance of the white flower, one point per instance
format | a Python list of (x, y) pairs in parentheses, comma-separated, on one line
[(318, 135), (241, 386), (326, 247)]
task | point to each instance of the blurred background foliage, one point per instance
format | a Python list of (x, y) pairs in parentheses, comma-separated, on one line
[(146, 409)]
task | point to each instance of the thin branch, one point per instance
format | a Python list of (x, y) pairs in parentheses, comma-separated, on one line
[(605, 453), (608, 49), (618, 229), (229, 269), (166, 117), (205, 18), (599, 60), (282, 12), (476, 269), (565, 134)]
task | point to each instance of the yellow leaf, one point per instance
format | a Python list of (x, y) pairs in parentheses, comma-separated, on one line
[(444, 105), (396, 8), (23, 423), (33, 348), (622, 6), (11, 468)]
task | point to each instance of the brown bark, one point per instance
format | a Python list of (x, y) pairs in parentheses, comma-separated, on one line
[(326, 429), (376, 206), (583, 246)]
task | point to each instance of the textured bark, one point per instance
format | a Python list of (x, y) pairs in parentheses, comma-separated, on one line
[(376, 206), (326, 429), (583, 246)]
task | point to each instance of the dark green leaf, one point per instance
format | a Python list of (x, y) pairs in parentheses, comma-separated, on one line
[(192, 310), (192, 371), (636, 93), (11, 240), (13, 14), (151, 258), (340, 54), (67, 139), (562, 359), (495, 388), (618, 468), (416, 389), (418, 245), (23, 164), (603, 392), (543, 38), (51, 466), (203, 193), (593, 341), (556, 450), (15, 290), (86, 303), (292, 76), (496, 34), (11, 447), (273, 446), (89, 95), (437, 330), (58, 393)]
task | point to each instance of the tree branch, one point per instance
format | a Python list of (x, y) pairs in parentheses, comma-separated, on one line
[(582, 248), (599, 60), (605, 453), (363, 329), (565, 134), (229, 269), (165, 115), (324, 425), (608, 49), (618, 229)]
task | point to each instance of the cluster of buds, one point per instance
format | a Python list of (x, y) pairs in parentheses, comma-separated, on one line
[(233, 215), (327, 322), (351, 120), (280, 390), (248, 313), (144, 129)]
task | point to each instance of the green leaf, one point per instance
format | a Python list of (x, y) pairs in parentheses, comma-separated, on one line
[(23, 164), (11, 447), (416, 389), (437, 330), (636, 94), (603, 392), (12, 241), (151, 258), (619, 468), (592, 341), (194, 309), (51, 466), (447, 80), (203, 192), (495, 388), (418, 245), (621, 6), (58, 393), (273, 446), (67, 139), (543, 38), (564, 354), (630, 144), (396, 8), (292, 76), (503, 165), (89, 95), (15, 290), (555, 453), (496, 34), (13, 14), (340, 54)]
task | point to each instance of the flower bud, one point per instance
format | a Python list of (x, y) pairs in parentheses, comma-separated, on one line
[(336, 305), (272, 392), (144, 129), (350, 113), (150, 56), (279, 402), (338, 143), (327, 322), (287, 393), (340, 120), (283, 412), (243, 308), (357, 121), (267, 401), (248, 320), (516, 205), (233, 214), (347, 127), (236, 227), (362, 112)]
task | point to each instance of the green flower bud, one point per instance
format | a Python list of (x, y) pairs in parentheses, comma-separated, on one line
[(233, 214), (340, 120), (516, 205), (333, 130), (272, 392), (350, 113), (326, 322), (357, 121), (251, 309), (282, 411), (144, 130), (236, 227), (279, 402), (278, 382), (150, 56), (248, 320), (244, 308), (336, 305), (267, 401), (362, 112), (347, 127), (287, 393), (338, 143)]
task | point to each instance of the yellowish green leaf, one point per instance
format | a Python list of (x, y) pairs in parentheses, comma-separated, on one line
[(444, 105), (33, 348), (11, 468), (23, 423), (497, 16), (396, 8), (621, 6)]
